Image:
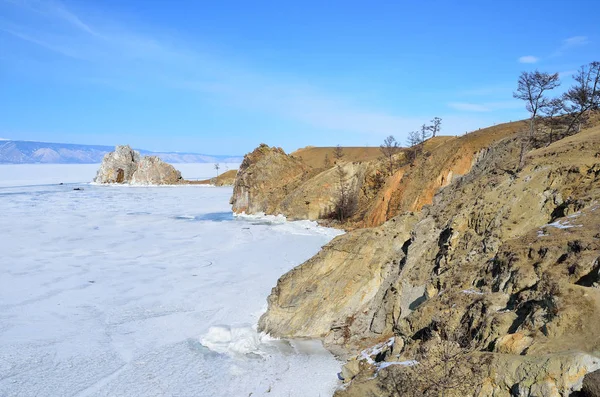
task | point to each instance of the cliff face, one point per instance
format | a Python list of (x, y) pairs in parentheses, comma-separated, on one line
[(507, 259), (265, 178), (301, 186), (125, 165)]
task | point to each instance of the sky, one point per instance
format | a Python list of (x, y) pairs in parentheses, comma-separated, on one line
[(221, 77)]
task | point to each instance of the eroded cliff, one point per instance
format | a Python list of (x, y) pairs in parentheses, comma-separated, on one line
[(507, 259)]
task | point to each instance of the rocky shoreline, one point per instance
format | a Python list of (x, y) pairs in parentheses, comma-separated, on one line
[(494, 272)]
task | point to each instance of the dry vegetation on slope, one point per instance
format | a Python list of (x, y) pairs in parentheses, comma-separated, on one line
[(316, 156)]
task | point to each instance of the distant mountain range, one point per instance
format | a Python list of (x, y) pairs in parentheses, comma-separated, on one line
[(26, 152)]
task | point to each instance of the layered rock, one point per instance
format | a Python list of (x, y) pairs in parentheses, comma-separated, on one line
[(125, 165), (506, 259)]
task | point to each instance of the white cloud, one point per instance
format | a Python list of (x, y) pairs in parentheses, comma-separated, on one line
[(119, 56), (575, 41), (529, 59), (571, 42)]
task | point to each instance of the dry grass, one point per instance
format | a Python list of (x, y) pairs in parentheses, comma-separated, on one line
[(315, 156), (226, 178)]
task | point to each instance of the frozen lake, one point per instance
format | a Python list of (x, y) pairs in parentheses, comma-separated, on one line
[(131, 291), (38, 174)]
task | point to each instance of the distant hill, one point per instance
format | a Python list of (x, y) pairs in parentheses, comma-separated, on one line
[(26, 152)]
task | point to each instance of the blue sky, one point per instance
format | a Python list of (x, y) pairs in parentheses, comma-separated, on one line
[(224, 76)]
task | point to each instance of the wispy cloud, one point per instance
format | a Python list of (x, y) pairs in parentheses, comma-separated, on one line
[(566, 73), (569, 43), (529, 59), (115, 55), (484, 107)]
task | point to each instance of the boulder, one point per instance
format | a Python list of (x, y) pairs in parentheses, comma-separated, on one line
[(591, 385)]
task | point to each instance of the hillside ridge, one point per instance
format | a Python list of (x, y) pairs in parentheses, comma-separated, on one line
[(498, 263)]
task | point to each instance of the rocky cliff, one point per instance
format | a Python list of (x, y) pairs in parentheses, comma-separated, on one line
[(264, 179), (302, 186), (125, 165), (500, 265)]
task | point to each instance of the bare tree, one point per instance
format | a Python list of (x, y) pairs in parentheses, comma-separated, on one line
[(346, 203), (327, 161), (414, 143), (424, 133), (436, 126), (531, 88), (388, 150), (584, 96), (338, 153), (217, 167), (553, 120)]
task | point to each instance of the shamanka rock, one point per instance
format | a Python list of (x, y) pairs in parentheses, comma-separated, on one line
[(125, 165), (118, 166)]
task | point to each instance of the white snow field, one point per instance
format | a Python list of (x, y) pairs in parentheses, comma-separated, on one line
[(147, 291)]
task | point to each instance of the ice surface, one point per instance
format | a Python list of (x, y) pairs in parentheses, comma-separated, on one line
[(114, 291), (38, 174)]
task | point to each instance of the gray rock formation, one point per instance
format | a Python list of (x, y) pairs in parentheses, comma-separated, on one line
[(591, 385), (125, 165), (151, 170), (118, 166)]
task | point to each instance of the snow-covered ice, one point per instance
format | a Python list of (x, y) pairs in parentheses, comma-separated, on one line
[(38, 174), (114, 291)]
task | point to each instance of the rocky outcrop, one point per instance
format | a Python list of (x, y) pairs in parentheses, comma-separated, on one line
[(125, 165), (344, 292), (118, 166), (151, 170), (264, 179), (507, 260)]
